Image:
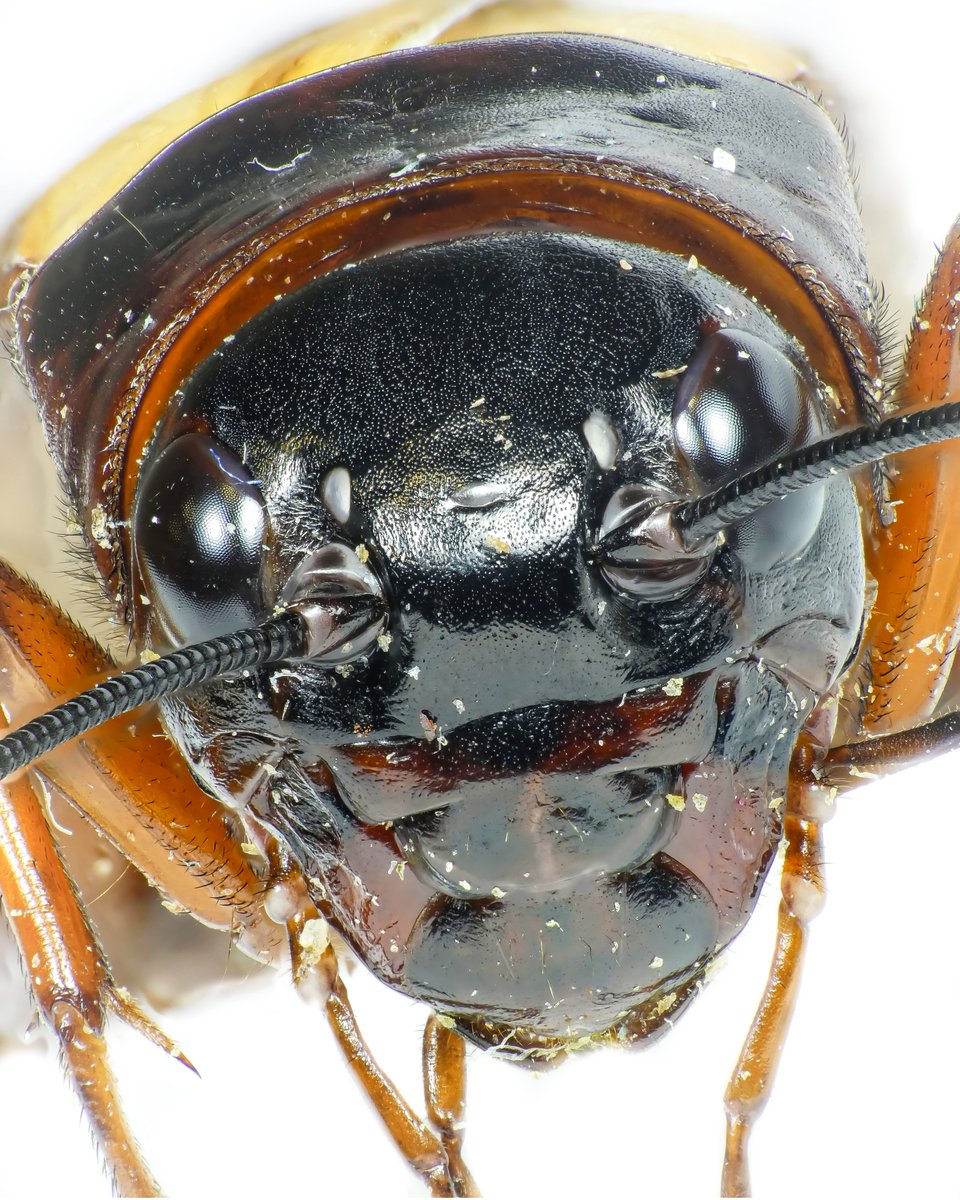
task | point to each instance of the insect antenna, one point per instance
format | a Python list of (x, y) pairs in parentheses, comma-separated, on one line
[(698, 520), (314, 629)]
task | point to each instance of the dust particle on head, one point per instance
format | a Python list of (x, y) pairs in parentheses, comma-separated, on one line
[(100, 527), (723, 160), (601, 436)]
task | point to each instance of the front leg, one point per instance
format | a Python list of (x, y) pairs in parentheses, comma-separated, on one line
[(802, 898), (69, 977), (127, 778), (435, 1156)]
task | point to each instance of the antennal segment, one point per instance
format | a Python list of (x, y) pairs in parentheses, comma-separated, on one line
[(701, 519), (280, 637)]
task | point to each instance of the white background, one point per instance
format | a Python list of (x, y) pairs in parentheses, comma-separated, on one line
[(866, 1097)]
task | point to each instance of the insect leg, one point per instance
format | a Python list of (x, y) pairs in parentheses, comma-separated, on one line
[(131, 784), (444, 1087), (69, 976), (317, 976), (847, 766), (912, 634), (802, 896), (127, 778)]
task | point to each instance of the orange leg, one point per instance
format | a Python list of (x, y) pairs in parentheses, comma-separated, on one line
[(317, 976), (802, 896), (917, 572), (913, 629), (444, 1086), (129, 781), (847, 766), (68, 976)]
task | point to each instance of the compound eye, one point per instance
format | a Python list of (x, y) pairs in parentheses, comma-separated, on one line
[(199, 528), (742, 404)]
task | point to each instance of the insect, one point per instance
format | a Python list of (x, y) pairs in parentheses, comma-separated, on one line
[(639, 1067)]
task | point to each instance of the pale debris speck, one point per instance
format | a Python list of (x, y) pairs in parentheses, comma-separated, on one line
[(775, 802), (673, 687), (929, 644), (459, 706), (413, 672), (397, 867), (714, 967), (496, 543), (361, 552), (665, 1003), (723, 160), (860, 773), (625, 265), (497, 893), (699, 801), (100, 527), (552, 924), (676, 801), (103, 866), (656, 962), (147, 656), (693, 263), (314, 939), (384, 640), (462, 883)]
